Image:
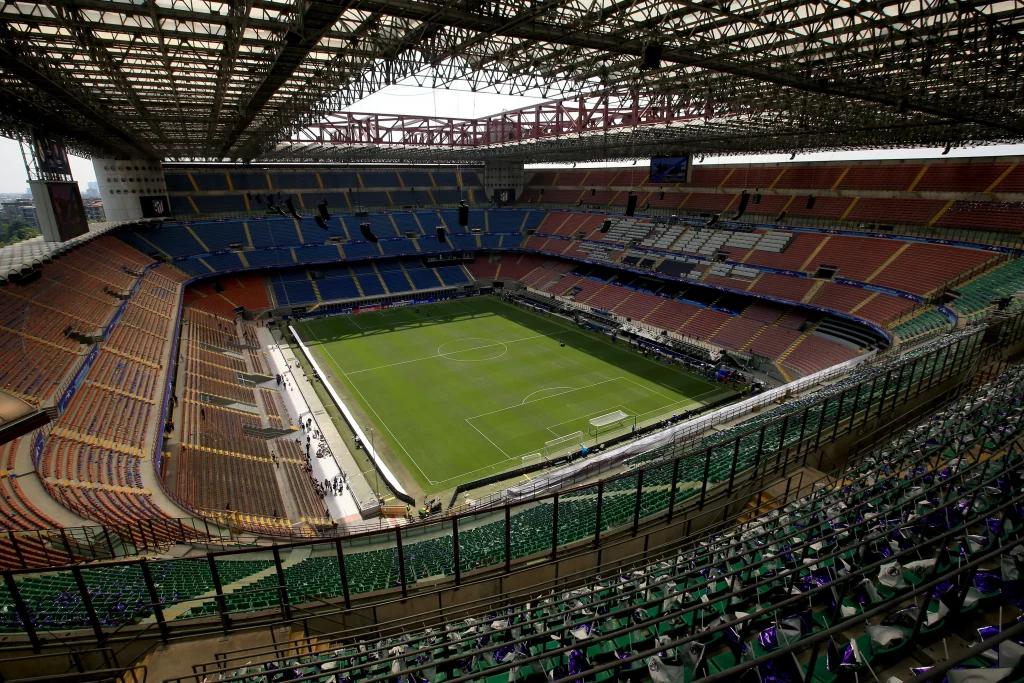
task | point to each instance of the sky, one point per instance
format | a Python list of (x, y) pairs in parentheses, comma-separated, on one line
[(459, 102), (14, 179)]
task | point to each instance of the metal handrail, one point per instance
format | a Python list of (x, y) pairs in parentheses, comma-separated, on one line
[(698, 605)]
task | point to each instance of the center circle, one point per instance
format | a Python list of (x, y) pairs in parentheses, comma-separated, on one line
[(472, 349)]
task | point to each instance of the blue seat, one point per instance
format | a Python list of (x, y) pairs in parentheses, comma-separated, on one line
[(424, 278), (452, 276), (249, 180), (379, 179), (371, 284), (339, 287), (360, 249), (218, 235), (213, 182), (395, 280)]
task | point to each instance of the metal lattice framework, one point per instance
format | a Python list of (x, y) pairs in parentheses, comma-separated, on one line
[(250, 79)]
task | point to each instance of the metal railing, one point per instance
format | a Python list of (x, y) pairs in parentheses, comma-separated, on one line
[(578, 517), (294, 649)]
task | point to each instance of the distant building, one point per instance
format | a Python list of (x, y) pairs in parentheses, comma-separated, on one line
[(20, 209), (94, 210), (92, 190)]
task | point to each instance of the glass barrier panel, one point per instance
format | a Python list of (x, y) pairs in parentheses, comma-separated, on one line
[(577, 515), (617, 502), (260, 591), (52, 600), (772, 440), (428, 551), (37, 548), (179, 585), (747, 455), (314, 578), (815, 415), (371, 562), (721, 463), (691, 472), (482, 539), (656, 490), (118, 593)]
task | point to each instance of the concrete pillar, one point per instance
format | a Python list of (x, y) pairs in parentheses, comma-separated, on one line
[(124, 182), (503, 175)]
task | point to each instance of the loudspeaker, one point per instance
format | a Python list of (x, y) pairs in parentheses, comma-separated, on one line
[(593, 191), (744, 200), (367, 233), (324, 213), (652, 57), (464, 215), (757, 198), (631, 204), (320, 222), (661, 195), (440, 234), (291, 208), (606, 226), (810, 201)]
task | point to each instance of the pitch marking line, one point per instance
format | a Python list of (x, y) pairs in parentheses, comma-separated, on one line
[(526, 400), (448, 354), (627, 350), (400, 318), (484, 346), (497, 464), (372, 409), (507, 457), (585, 417), (462, 306), (501, 410), (647, 388)]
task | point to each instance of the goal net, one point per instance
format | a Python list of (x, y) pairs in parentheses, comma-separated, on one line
[(573, 440), (606, 423), (532, 458)]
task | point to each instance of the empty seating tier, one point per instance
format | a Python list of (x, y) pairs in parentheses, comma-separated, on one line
[(842, 579)]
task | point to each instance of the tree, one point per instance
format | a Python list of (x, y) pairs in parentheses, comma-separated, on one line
[(16, 231)]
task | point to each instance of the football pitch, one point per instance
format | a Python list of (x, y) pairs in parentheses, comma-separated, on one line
[(465, 388)]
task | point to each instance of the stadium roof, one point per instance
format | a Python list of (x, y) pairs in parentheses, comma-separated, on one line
[(242, 79)]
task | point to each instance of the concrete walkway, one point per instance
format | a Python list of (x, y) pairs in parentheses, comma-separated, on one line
[(302, 402), (32, 487)]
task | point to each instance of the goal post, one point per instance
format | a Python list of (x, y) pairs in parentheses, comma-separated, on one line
[(609, 422), (532, 459), (573, 440)]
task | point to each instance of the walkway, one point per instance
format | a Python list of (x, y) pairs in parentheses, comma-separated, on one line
[(303, 403)]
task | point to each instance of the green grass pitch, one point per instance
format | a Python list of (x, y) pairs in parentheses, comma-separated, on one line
[(465, 388)]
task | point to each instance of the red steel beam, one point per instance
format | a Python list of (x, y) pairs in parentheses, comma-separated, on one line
[(557, 118)]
